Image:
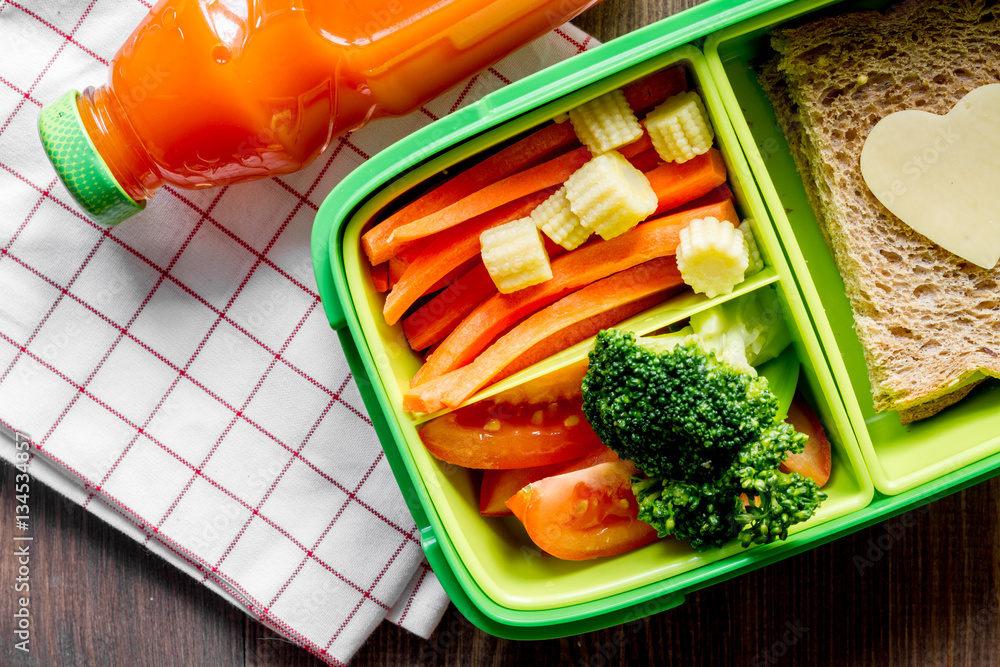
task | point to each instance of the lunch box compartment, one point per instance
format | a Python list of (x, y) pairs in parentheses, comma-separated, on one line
[(899, 457)]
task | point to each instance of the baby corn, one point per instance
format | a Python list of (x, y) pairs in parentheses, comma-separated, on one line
[(609, 195), (712, 256), (605, 123), (679, 128), (514, 255), (556, 219), (755, 261)]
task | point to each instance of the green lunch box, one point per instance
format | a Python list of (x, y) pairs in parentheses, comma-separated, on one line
[(489, 567)]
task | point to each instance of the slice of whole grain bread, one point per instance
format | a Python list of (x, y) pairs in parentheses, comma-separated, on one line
[(929, 321)]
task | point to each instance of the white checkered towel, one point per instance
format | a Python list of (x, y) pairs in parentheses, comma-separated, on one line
[(176, 375)]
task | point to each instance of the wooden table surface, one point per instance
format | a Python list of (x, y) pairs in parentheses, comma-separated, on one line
[(918, 592)]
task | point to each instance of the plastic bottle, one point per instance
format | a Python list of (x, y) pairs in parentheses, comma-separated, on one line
[(211, 92)]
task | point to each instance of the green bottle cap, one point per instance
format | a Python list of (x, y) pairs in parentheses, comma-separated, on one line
[(80, 166)]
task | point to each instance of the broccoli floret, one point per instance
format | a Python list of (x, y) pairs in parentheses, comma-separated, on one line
[(701, 514), (706, 435), (752, 500), (699, 411), (781, 501)]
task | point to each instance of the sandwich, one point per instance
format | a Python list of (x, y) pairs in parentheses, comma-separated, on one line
[(928, 321)]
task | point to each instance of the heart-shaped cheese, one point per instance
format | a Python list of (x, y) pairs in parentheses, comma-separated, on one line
[(941, 174)]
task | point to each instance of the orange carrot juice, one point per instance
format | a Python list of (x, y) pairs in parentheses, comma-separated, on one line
[(211, 92)]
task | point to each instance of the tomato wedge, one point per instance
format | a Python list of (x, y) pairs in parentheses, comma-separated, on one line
[(505, 435), (815, 461), (583, 514), (500, 485)]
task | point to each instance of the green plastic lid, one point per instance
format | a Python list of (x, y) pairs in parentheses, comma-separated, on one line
[(80, 166)]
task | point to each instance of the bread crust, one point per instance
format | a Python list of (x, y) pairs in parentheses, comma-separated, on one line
[(929, 322)]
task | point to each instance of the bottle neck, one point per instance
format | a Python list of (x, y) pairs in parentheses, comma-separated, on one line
[(116, 141)]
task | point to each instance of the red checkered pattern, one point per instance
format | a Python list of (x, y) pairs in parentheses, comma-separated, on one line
[(176, 374)]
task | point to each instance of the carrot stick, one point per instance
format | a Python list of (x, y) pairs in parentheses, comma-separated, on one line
[(593, 261), (640, 153), (447, 279), (399, 262), (649, 91), (402, 261), (574, 333), (676, 184), (658, 276), (435, 319), (380, 277), (641, 96), (723, 210), (714, 196), (431, 322), (719, 195), (637, 147), (537, 147), (646, 161), (545, 175), (448, 250)]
